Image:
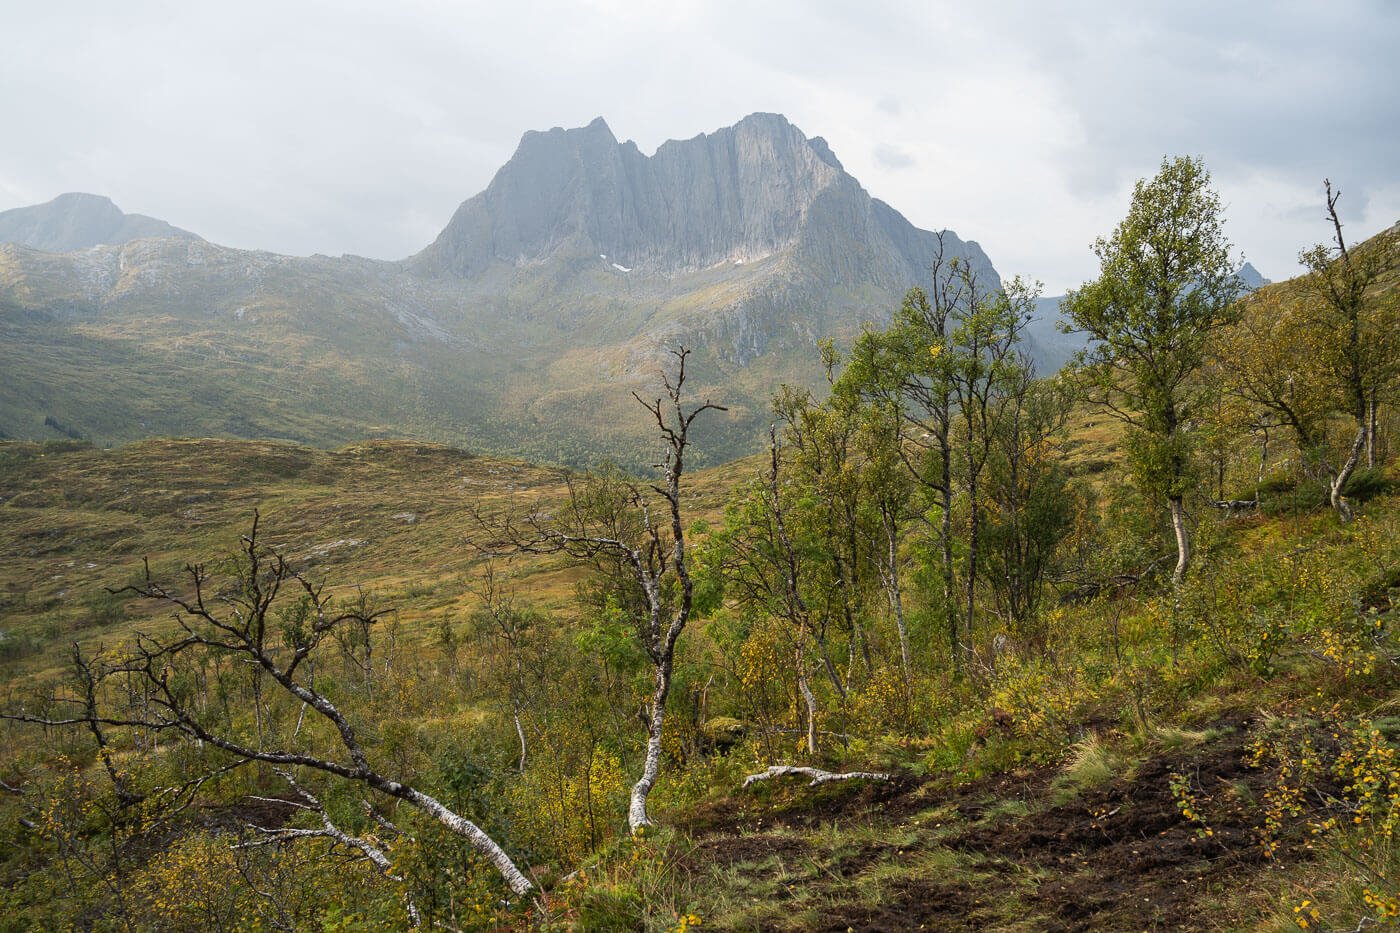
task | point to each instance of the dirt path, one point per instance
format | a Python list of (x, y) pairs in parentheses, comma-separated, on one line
[(1024, 851)]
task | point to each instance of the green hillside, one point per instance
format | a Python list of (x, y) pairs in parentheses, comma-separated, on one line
[(1035, 798), (191, 339)]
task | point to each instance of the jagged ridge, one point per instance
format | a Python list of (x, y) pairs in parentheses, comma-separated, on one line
[(739, 194), (511, 332)]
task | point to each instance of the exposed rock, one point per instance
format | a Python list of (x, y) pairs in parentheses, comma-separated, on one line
[(736, 195), (1250, 278)]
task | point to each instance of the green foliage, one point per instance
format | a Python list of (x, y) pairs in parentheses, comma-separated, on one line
[(1166, 284)]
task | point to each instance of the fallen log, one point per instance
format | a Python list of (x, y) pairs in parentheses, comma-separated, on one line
[(1236, 505), (817, 775)]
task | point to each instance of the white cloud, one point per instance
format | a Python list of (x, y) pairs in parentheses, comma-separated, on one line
[(335, 127)]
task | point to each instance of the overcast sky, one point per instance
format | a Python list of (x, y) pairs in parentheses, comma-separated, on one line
[(344, 127)]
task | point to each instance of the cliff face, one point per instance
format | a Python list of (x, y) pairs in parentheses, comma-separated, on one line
[(740, 194), (79, 221)]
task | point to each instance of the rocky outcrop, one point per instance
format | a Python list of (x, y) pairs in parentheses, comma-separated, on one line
[(1250, 277)]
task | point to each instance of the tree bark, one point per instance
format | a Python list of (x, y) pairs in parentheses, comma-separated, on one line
[(1371, 418), (896, 596), (520, 732), (1183, 540), (637, 818), (1263, 463), (817, 775), (810, 700), (1339, 482), (945, 533), (970, 593), (473, 834)]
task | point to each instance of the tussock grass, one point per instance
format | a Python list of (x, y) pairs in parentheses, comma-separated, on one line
[(1091, 763)]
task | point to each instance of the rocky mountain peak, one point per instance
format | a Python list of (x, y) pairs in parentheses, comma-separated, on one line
[(741, 192), (76, 221), (1250, 277)]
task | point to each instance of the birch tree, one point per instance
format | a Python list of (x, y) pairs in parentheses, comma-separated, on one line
[(610, 522), (1166, 283), (1359, 335), (988, 374), (907, 370), (256, 610)]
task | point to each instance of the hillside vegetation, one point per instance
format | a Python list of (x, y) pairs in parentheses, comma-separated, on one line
[(963, 650)]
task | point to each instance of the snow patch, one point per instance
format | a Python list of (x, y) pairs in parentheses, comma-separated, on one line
[(621, 268)]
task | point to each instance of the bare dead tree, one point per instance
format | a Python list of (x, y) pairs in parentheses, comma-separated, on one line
[(817, 775), (271, 617), (610, 523)]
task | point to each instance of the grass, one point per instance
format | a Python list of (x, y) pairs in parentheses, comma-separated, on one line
[(1091, 763), (388, 516), (1007, 829)]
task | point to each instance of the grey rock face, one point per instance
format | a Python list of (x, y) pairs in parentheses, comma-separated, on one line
[(78, 221), (1250, 278), (739, 194)]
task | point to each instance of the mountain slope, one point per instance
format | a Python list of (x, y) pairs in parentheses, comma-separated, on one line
[(523, 328), (80, 221)]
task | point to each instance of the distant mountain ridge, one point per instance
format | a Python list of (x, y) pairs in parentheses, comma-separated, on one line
[(523, 328), (80, 221), (1250, 277), (739, 194)]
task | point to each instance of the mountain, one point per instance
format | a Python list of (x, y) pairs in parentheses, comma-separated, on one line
[(1250, 278), (1050, 348), (523, 328), (79, 221), (748, 240), (740, 194)]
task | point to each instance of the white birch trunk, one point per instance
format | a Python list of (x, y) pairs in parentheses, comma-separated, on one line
[(520, 732), (810, 700), (1183, 540), (637, 818), (1339, 482), (478, 839), (897, 606)]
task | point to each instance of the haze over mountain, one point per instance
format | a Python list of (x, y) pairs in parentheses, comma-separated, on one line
[(522, 328), (78, 221)]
